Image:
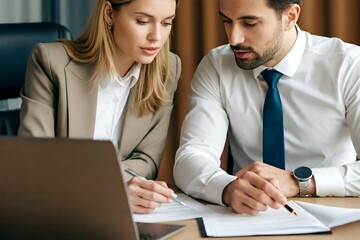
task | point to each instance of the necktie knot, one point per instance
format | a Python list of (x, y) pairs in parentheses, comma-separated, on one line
[(271, 76)]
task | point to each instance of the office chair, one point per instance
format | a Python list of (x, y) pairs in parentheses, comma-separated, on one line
[(16, 42)]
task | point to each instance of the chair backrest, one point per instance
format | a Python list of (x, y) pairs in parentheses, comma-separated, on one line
[(16, 42)]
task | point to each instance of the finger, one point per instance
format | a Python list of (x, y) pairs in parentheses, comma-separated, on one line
[(247, 205), (150, 190), (162, 183), (160, 188), (264, 191), (272, 189), (260, 169), (240, 200), (271, 174), (136, 200), (240, 173), (138, 203), (256, 198), (141, 209)]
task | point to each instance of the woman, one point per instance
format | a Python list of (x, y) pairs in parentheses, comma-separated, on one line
[(115, 82)]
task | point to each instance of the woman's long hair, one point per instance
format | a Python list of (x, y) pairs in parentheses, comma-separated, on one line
[(96, 47)]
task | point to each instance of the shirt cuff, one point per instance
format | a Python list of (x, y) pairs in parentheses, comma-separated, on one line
[(216, 186), (329, 182)]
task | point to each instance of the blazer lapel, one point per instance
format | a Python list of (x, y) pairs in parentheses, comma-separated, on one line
[(82, 101), (135, 128)]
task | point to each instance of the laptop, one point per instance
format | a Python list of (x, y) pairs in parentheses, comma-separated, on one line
[(67, 189)]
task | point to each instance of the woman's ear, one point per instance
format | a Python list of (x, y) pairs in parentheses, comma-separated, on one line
[(291, 16), (108, 10)]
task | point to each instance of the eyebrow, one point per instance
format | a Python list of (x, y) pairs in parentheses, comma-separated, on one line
[(151, 16), (251, 17)]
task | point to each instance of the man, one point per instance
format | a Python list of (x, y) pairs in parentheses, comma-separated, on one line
[(320, 95)]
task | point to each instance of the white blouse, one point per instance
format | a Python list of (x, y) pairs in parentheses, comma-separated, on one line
[(113, 93)]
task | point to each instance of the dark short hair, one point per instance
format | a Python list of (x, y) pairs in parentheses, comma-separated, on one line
[(280, 5)]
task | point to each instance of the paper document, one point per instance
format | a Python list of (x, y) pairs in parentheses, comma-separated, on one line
[(331, 216), (311, 218), (175, 212)]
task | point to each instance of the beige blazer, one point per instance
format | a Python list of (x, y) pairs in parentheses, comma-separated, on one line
[(57, 101)]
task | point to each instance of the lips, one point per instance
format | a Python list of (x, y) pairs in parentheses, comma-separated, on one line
[(242, 54), (149, 50)]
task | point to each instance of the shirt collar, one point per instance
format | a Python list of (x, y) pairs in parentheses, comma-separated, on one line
[(289, 64), (130, 79)]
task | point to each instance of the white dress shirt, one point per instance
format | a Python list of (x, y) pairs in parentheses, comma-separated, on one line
[(320, 93), (113, 93)]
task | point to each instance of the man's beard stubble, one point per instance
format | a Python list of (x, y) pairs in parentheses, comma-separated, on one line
[(260, 59)]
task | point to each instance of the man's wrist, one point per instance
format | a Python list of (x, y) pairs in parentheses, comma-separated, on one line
[(225, 196)]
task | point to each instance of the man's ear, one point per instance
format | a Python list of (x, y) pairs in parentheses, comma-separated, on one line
[(108, 10), (291, 16)]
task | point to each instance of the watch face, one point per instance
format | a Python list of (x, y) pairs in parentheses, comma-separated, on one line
[(303, 173)]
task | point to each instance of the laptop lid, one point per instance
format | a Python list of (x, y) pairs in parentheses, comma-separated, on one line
[(62, 189)]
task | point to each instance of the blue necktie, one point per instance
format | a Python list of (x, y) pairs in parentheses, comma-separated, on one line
[(273, 129)]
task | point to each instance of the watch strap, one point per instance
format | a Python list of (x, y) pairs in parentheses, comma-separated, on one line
[(304, 188)]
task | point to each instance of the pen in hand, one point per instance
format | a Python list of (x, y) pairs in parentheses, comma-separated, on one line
[(292, 211), (135, 174)]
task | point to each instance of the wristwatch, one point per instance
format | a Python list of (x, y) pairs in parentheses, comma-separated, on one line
[(303, 176)]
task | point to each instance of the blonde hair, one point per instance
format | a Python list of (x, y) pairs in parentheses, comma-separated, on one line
[(95, 47)]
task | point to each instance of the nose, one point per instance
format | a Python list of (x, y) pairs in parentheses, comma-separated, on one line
[(155, 33), (235, 35)]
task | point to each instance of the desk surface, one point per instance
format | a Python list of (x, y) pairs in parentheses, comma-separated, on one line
[(344, 232)]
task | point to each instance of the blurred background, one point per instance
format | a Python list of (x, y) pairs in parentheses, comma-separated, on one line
[(197, 29)]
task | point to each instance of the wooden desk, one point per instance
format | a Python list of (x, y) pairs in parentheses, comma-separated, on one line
[(349, 231)]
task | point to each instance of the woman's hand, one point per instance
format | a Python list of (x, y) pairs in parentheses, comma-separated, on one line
[(145, 195)]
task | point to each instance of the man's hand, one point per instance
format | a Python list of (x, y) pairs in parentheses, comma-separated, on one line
[(281, 179), (259, 186), (251, 194)]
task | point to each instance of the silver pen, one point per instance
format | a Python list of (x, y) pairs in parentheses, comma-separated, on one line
[(135, 174)]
